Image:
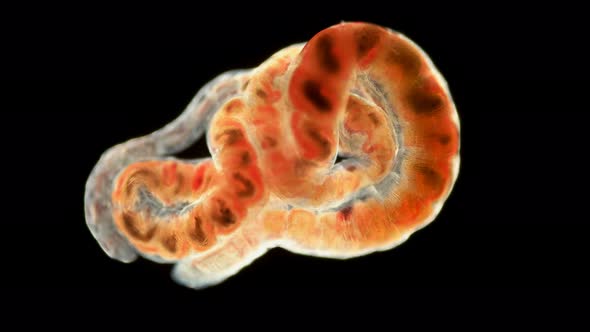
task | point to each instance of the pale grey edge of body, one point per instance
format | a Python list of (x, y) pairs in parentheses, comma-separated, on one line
[(178, 135)]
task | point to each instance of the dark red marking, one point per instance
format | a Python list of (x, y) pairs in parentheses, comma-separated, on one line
[(374, 119), (170, 243), (366, 39), (346, 212), (233, 104), (260, 93), (444, 139), (431, 178), (196, 233), (245, 158), (327, 59), (268, 142), (232, 136), (323, 143), (311, 91), (129, 223), (248, 186), (422, 102), (401, 54), (223, 215)]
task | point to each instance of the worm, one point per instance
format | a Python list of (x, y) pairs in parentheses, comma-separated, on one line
[(356, 90)]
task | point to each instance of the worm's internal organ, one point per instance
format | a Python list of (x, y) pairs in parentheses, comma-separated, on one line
[(356, 90)]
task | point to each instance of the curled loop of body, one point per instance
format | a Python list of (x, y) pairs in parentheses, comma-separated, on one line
[(355, 90)]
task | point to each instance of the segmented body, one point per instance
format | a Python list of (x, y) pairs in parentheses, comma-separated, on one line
[(356, 90)]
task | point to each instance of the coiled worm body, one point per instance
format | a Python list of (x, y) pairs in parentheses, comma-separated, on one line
[(355, 90)]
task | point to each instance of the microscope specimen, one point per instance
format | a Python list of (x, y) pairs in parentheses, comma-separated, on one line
[(356, 90)]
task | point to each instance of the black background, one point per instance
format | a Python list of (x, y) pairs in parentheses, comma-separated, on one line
[(77, 81)]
